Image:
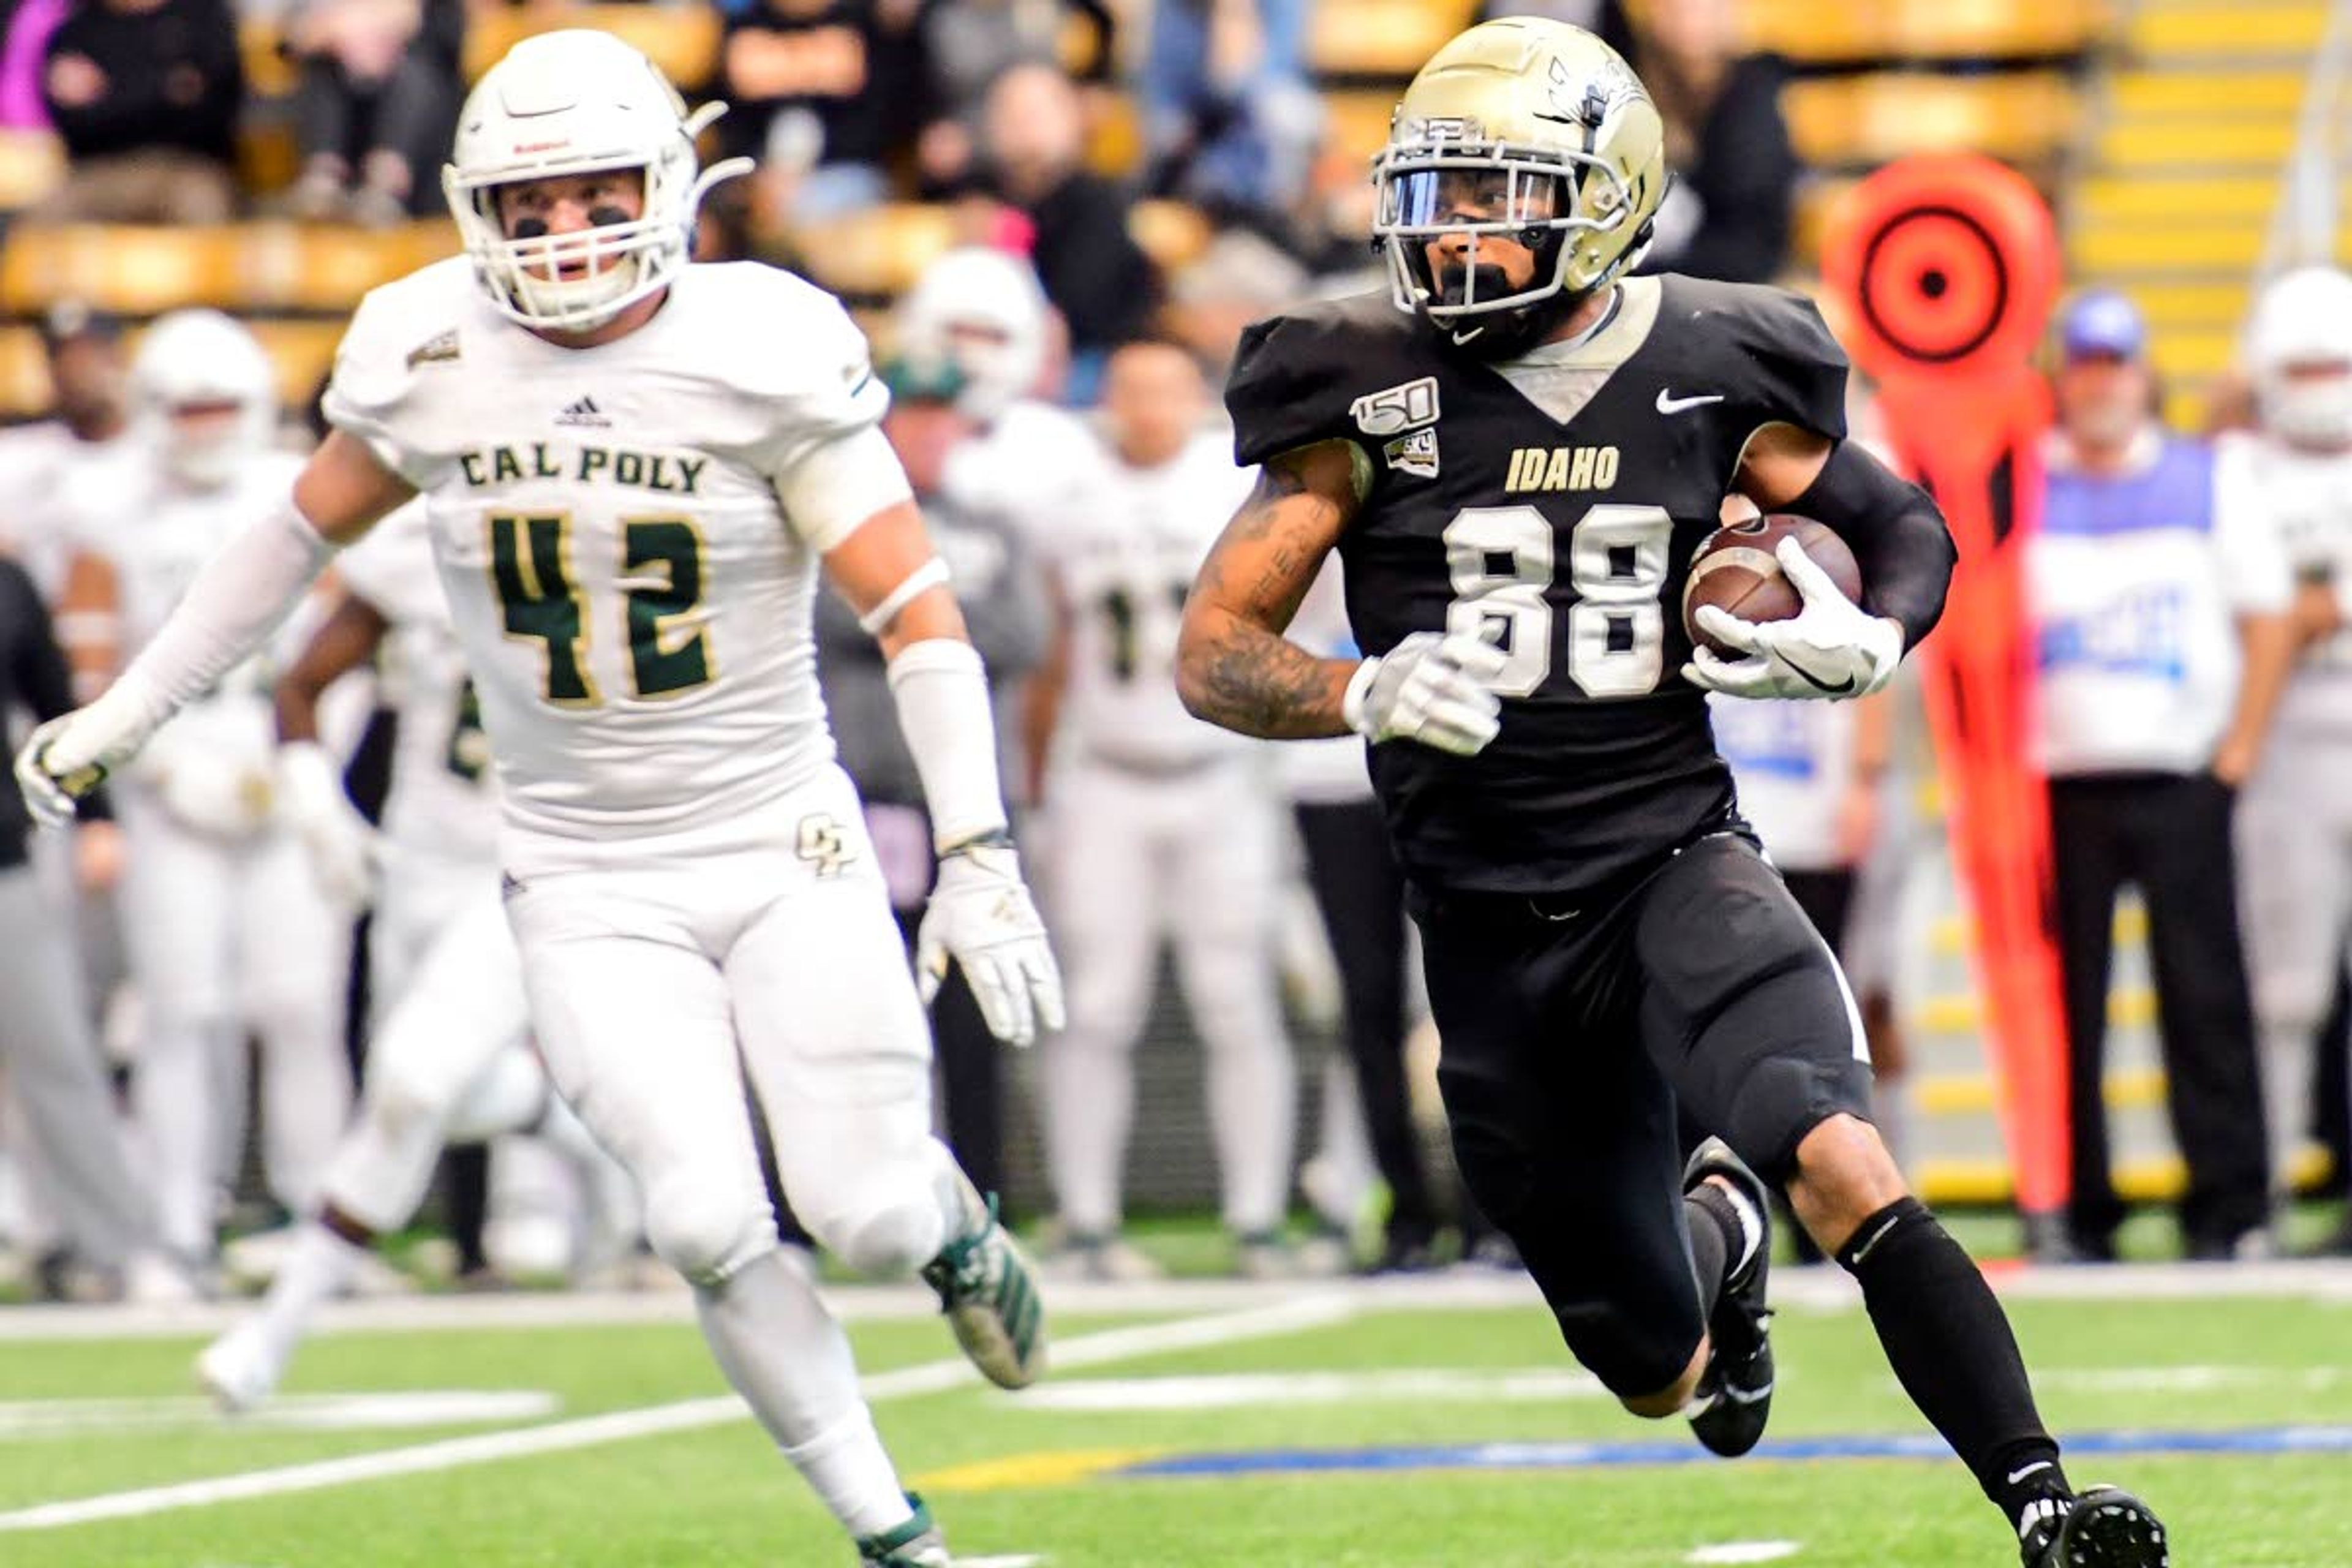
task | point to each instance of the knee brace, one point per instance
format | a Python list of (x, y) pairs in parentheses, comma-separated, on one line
[(704, 1231)]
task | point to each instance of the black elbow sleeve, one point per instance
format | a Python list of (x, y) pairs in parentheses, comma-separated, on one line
[(1895, 531)]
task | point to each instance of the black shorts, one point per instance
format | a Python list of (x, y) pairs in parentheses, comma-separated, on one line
[(1568, 1036)]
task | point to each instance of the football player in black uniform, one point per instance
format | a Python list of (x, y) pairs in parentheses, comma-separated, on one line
[(1515, 451)]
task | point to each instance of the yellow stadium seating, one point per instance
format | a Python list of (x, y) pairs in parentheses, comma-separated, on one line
[(135, 271), (877, 253), (682, 40), (24, 374), (1174, 234), (131, 269), (31, 164), (1381, 38), (1808, 30), (1356, 121), (1843, 121)]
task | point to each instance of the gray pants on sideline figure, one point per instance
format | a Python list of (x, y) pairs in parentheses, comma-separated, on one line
[(54, 1075)]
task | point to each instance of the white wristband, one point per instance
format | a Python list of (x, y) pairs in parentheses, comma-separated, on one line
[(941, 690), (931, 574)]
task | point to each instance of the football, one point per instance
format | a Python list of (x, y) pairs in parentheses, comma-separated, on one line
[(1735, 570)]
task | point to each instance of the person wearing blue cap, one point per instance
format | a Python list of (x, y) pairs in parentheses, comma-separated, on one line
[(2164, 643)]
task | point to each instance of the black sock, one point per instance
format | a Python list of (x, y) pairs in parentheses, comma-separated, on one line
[(1715, 1242), (1951, 1348)]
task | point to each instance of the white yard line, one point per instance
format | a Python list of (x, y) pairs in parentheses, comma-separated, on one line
[(1296, 1316)]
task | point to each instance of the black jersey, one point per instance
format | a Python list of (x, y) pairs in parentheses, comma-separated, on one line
[(1550, 503)]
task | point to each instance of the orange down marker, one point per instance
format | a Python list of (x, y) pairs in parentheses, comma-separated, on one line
[(1946, 268)]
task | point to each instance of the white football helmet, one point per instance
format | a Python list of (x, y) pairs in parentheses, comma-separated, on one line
[(983, 311), (578, 101), (203, 397), (2299, 351)]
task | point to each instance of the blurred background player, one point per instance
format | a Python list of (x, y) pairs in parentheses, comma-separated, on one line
[(983, 311), (224, 923), (89, 378), (998, 583), (1161, 827), (2294, 822), (449, 1055), (2162, 603), (50, 1064)]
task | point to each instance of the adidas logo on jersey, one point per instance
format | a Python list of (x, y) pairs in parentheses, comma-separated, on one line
[(585, 412)]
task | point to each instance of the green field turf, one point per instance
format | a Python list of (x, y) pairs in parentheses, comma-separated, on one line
[(1019, 1478)]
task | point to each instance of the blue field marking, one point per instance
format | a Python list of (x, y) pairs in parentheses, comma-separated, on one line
[(1594, 1455)]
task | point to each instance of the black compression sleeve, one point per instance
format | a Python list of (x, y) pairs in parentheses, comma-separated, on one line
[(1897, 536)]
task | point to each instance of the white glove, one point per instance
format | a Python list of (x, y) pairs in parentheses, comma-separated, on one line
[(1429, 689), (981, 917), (342, 846), (1831, 647), (71, 754)]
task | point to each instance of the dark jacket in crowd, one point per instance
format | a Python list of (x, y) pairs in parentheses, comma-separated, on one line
[(33, 679), (174, 78)]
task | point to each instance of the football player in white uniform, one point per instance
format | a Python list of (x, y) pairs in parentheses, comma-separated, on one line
[(2294, 820), (633, 469), (225, 928), (983, 311), (448, 1058), (1160, 824)]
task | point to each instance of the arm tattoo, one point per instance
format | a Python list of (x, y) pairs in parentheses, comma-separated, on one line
[(1236, 669)]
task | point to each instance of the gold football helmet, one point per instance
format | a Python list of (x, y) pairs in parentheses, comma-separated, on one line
[(1527, 129)]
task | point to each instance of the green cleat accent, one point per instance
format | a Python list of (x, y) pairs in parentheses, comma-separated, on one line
[(916, 1544), (989, 1296)]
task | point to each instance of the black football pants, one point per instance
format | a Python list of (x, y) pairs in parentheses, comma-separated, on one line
[(1567, 1037), (2168, 835)]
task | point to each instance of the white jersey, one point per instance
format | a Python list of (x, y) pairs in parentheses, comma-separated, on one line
[(156, 537), (632, 599), (38, 464), (1030, 467), (1124, 562), (443, 801), (2306, 499), (1793, 764), (2137, 579)]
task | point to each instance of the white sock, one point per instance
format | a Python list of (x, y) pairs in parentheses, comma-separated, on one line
[(851, 1472), (317, 1268), (788, 1357)]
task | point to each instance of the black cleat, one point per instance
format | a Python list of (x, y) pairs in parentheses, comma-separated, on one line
[(1735, 1394), (2103, 1527)]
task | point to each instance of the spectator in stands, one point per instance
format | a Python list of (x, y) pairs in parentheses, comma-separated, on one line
[(87, 378), (812, 86), (25, 30), (1092, 270), (957, 50), (1229, 115), (144, 94), (1004, 610), (1728, 213), (378, 98), (2164, 644)]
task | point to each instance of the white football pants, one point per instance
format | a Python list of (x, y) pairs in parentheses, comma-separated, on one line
[(2295, 877), (448, 1054), (1193, 857), (225, 937)]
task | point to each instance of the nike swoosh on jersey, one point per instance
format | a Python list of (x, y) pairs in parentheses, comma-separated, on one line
[(1845, 687), (1670, 403)]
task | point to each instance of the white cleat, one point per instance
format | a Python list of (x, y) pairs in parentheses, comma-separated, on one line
[(240, 1370), (989, 1294)]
